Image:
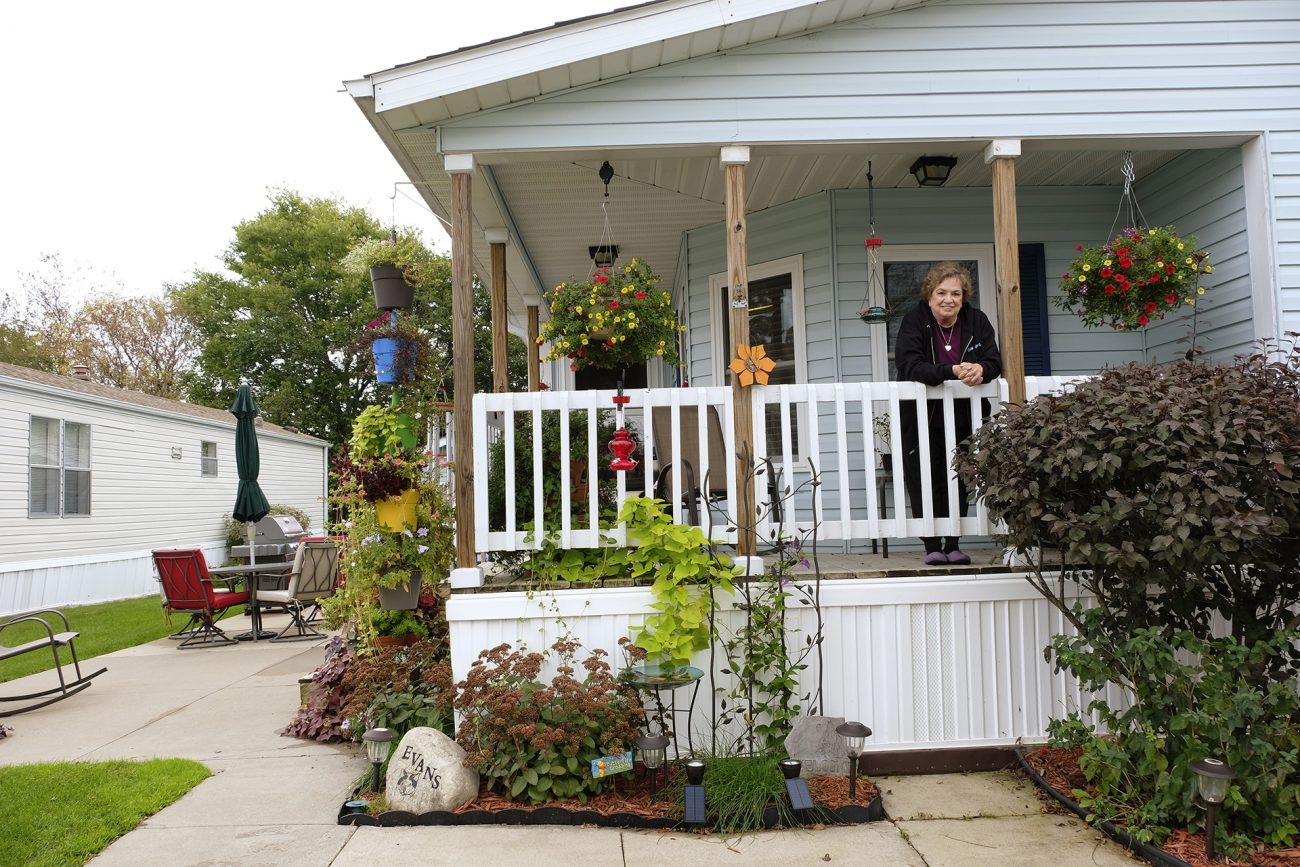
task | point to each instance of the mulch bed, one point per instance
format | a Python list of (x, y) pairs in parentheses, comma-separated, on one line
[(631, 794), (1060, 768)]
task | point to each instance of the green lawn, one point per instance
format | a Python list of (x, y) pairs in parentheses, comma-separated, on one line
[(64, 813), (104, 628)]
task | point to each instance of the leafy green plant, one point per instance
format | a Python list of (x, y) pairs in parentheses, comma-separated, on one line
[(397, 623), (1168, 497), (741, 790), (686, 575), (765, 661), (379, 429), (535, 742), (404, 250), (551, 563), (1191, 702), (552, 483)]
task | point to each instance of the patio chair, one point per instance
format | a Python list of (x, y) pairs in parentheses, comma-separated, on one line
[(315, 574), (46, 636), (689, 456), (187, 588)]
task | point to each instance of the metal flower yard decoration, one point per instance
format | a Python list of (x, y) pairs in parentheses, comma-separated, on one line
[(753, 364), (1138, 277)]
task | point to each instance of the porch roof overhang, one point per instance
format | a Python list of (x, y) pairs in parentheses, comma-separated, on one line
[(550, 199)]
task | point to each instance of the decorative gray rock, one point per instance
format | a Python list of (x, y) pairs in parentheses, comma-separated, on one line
[(427, 773), (813, 741)]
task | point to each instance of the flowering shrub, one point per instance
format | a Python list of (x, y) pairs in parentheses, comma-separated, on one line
[(618, 317), (373, 556), (534, 742), (378, 478), (1137, 277)]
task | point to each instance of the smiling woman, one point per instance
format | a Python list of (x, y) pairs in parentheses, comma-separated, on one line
[(943, 339)]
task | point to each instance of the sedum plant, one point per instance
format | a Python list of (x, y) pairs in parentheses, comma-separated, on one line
[(534, 742)]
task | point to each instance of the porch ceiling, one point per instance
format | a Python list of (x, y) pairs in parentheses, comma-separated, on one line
[(554, 205)]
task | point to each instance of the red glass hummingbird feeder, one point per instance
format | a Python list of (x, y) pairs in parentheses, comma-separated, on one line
[(622, 445)]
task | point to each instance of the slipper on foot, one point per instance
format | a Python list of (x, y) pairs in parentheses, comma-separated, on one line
[(958, 558), (937, 558)]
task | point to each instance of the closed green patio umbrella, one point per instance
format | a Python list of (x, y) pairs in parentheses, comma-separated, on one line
[(250, 503)]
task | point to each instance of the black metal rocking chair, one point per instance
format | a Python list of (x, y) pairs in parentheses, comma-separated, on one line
[(53, 640)]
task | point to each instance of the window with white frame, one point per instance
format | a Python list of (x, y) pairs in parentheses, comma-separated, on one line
[(58, 460), (903, 267), (208, 458), (776, 320)]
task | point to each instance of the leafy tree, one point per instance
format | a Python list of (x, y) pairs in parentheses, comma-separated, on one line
[(288, 317), (134, 343)]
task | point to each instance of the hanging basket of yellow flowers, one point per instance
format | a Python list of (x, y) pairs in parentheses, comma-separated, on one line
[(617, 317)]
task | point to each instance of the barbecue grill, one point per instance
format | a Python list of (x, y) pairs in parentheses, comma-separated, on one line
[(276, 540)]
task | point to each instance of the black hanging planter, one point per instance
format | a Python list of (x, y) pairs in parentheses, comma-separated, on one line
[(392, 292)]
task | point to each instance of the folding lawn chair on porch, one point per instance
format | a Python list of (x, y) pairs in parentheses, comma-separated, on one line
[(315, 575), (688, 455), (187, 587)]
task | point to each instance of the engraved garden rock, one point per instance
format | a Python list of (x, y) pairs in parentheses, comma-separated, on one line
[(427, 772), (813, 741)]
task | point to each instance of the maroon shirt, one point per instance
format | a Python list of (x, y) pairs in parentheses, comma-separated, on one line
[(949, 337)]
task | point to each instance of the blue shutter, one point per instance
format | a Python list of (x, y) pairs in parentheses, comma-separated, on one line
[(1033, 310)]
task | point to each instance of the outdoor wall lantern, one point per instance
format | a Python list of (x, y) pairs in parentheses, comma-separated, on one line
[(932, 171), (1212, 778), (855, 736), (378, 743), (603, 255), (795, 787), (696, 812), (654, 749)]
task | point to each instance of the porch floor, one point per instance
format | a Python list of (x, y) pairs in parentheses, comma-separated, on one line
[(899, 564)]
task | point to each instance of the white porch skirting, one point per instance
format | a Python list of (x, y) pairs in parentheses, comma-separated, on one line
[(926, 662)]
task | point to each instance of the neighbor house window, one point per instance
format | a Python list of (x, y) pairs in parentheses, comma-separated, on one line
[(59, 468), (208, 458)]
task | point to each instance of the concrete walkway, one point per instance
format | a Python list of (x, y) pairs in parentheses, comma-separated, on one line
[(273, 800)]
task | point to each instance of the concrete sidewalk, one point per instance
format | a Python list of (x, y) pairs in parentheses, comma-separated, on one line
[(273, 800)]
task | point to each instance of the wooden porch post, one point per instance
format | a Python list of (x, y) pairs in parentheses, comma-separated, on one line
[(534, 361), (734, 159), (1002, 153), (497, 240), (461, 169)]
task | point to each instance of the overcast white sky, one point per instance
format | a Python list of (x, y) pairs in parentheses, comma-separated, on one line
[(137, 134)]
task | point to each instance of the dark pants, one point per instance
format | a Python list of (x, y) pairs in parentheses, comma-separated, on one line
[(940, 470)]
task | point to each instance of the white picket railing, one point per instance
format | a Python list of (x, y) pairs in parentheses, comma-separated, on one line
[(822, 430)]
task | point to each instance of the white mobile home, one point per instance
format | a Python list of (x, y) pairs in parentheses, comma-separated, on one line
[(96, 477)]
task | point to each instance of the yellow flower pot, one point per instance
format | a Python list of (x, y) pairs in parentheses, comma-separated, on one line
[(397, 513)]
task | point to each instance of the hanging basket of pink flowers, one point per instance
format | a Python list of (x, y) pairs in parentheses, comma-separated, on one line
[(1135, 279), (617, 318)]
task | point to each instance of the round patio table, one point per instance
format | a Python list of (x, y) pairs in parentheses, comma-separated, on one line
[(656, 678)]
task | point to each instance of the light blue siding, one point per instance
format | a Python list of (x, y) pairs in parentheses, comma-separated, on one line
[(1200, 193)]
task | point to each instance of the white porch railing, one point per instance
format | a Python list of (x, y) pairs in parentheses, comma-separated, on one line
[(826, 429)]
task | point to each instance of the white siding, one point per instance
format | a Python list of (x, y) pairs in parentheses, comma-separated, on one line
[(141, 498), (1284, 167)]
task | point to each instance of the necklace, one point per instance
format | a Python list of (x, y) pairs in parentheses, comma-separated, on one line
[(947, 338)]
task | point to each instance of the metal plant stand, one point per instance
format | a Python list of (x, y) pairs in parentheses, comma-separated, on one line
[(660, 678)]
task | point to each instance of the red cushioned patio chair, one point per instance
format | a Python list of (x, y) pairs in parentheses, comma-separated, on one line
[(187, 588)]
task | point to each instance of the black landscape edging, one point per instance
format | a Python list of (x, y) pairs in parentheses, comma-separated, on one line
[(1153, 854), (850, 814)]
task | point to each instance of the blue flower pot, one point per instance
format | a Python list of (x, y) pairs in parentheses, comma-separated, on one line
[(385, 350)]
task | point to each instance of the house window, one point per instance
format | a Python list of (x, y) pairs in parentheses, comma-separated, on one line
[(776, 321), (208, 458), (903, 268), (58, 468)]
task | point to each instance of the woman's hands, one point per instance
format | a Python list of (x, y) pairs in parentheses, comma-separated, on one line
[(969, 372)]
